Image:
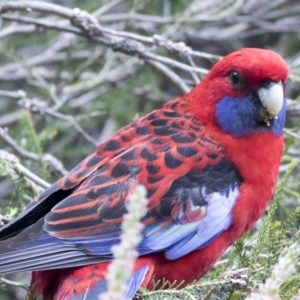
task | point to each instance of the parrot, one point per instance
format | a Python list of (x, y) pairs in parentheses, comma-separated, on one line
[(209, 161)]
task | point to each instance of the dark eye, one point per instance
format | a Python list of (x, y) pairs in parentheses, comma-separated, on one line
[(235, 77), (268, 84)]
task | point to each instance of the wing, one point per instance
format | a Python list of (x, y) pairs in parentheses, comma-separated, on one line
[(191, 189)]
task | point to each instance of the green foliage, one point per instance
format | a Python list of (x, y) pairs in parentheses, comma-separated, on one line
[(93, 84), (23, 192), (249, 262), (32, 141)]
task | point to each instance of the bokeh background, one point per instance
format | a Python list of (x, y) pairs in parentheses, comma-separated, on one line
[(66, 84)]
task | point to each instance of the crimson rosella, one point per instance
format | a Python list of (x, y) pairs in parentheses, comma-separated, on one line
[(209, 161)]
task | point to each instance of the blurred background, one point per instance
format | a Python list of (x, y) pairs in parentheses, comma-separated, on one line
[(72, 72)]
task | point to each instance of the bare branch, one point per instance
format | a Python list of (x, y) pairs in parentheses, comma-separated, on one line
[(170, 74), (49, 159), (106, 7), (28, 6), (11, 118), (14, 145), (291, 133), (89, 25), (8, 31), (11, 159), (13, 283)]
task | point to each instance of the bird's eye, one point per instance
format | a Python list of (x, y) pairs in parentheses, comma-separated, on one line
[(235, 77), (268, 83)]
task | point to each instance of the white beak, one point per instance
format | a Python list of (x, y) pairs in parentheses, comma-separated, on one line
[(271, 98)]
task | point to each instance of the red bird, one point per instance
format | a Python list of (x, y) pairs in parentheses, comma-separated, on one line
[(209, 161)]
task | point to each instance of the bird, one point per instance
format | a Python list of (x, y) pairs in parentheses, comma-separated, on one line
[(209, 161)]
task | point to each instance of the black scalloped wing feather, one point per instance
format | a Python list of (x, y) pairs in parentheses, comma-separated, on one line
[(78, 218)]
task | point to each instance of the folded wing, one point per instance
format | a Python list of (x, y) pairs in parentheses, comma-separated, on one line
[(191, 189)]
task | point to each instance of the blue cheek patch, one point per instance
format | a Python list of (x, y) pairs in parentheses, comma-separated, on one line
[(240, 117)]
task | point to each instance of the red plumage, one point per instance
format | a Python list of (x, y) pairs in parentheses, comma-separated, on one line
[(192, 155)]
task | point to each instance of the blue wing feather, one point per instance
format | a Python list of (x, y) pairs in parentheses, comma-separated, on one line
[(193, 211)]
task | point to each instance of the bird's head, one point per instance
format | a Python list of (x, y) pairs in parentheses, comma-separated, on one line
[(244, 93)]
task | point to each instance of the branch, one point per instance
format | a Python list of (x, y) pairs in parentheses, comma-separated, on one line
[(36, 105), (169, 74), (49, 159), (291, 133), (13, 283), (14, 162), (87, 25)]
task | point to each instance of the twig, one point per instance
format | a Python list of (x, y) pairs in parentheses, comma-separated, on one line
[(170, 74), (49, 159), (6, 32), (124, 44), (13, 144), (293, 134), (13, 283), (71, 120), (89, 25), (106, 7), (38, 106), (13, 160)]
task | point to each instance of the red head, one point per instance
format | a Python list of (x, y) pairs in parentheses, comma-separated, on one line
[(244, 88)]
